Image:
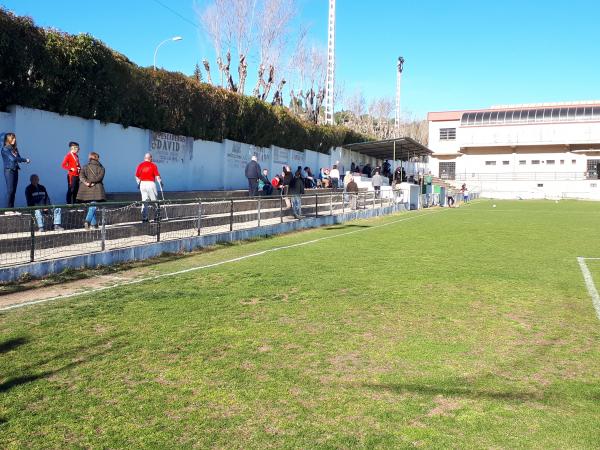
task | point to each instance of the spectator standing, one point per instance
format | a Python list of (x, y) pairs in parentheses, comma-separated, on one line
[(377, 181), (450, 199), (264, 184), (428, 180), (91, 188), (398, 175), (352, 190), (147, 176), (465, 193), (287, 179), (253, 173), (71, 165), (11, 159), (37, 195), (334, 176), (296, 190), (342, 171)]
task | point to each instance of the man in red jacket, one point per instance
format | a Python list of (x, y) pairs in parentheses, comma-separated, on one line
[(71, 165), (146, 176)]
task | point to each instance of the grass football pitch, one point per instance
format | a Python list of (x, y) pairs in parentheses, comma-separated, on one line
[(461, 328)]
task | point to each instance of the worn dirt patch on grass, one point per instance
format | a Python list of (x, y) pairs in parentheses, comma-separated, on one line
[(444, 406), (71, 287)]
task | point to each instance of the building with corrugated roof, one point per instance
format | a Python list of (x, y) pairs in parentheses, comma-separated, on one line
[(525, 150)]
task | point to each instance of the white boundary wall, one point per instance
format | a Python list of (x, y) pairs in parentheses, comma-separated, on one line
[(43, 137)]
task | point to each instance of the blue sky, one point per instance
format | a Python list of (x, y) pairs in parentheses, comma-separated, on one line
[(459, 54)]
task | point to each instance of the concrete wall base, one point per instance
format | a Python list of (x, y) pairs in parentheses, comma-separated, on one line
[(44, 268)]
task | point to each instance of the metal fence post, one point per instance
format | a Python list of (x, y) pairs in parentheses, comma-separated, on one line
[(316, 205), (32, 230), (281, 208), (199, 217), (158, 220), (231, 216), (103, 229), (258, 212), (331, 204)]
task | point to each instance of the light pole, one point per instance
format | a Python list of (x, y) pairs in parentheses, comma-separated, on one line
[(174, 38), (398, 82)]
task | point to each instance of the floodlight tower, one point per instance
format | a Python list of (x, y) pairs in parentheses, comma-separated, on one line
[(329, 83), (398, 82)]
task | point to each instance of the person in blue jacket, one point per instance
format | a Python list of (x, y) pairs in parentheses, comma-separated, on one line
[(11, 160)]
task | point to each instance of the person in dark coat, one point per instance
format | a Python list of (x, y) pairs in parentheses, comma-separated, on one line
[(37, 195), (253, 173), (264, 184), (11, 159), (352, 190), (285, 184), (91, 188), (296, 190)]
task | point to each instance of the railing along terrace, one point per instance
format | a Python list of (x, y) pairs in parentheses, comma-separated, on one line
[(524, 176), (53, 232)]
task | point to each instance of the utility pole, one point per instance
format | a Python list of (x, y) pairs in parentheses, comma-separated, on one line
[(398, 82), (329, 84)]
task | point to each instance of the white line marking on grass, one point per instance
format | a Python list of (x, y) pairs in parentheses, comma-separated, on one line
[(220, 263), (589, 283)]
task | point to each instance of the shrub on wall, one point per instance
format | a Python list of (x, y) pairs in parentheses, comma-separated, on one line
[(80, 76)]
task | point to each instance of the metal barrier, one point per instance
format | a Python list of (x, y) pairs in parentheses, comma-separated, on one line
[(35, 234)]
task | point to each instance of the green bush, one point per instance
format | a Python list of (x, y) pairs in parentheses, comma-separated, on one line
[(80, 76)]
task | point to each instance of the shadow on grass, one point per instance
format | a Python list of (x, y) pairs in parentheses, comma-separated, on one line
[(71, 354), (469, 392), (11, 344), (350, 225)]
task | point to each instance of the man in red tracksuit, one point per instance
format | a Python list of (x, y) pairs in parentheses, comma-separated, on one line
[(147, 176), (71, 165)]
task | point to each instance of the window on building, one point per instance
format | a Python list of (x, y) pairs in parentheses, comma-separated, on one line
[(562, 161), (550, 161), (592, 168), (573, 161), (540, 184), (535, 161), (490, 163), (447, 134), (505, 163), (522, 162)]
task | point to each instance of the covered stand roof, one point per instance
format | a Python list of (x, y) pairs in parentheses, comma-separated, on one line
[(405, 148)]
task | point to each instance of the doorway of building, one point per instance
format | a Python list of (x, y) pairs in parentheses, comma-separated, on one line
[(447, 170)]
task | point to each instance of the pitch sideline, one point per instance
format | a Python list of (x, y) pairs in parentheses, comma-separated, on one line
[(589, 283), (208, 266)]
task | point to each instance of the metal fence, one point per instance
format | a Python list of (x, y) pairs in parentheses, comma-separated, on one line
[(34, 234), (524, 176)]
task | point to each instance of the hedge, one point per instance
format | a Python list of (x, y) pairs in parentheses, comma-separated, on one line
[(80, 76)]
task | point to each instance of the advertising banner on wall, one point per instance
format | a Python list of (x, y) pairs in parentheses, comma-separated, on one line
[(296, 159), (236, 158), (170, 148), (280, 156)]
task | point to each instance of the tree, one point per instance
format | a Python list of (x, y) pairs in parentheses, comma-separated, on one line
[(197, 73), (246, 30)]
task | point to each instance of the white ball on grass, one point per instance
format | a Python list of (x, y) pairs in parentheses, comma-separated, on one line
[(493, 206)]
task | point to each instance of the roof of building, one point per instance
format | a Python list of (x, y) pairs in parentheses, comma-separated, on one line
[(441, 116), (405, 148)]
